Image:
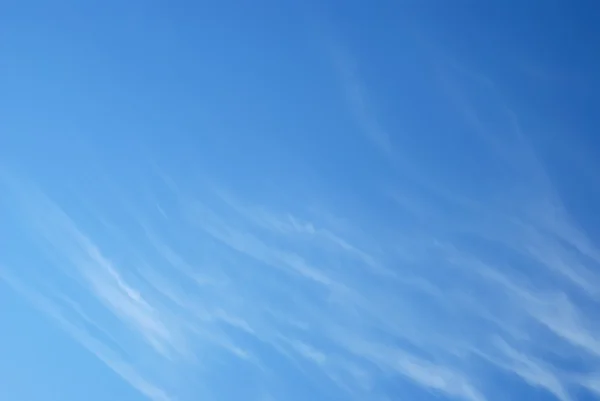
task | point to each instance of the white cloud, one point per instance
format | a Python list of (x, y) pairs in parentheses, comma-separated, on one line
[(504, 281), (104, 353), (532, 371), (83, 260), (357, 98), (450, 382)]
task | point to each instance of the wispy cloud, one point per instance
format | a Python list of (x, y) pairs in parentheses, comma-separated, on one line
[(532, 371), (357, 97), (513, 265), (100, 350), (504, 279), (83, 260), (359, 316)]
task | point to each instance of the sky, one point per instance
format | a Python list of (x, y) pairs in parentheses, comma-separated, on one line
[(299, 200)]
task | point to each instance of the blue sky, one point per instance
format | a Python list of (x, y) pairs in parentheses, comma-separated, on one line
[(299, 201)]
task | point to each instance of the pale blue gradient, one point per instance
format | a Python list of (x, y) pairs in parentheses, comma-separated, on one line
[(289, 201)]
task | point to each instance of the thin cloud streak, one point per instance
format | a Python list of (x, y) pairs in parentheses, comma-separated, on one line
[(500, 281), (361, 319), (356, 97), (89, 266), (474, 270), (529, 220), (100, 350)]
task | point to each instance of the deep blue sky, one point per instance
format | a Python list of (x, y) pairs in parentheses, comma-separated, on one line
[(280, 200)]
